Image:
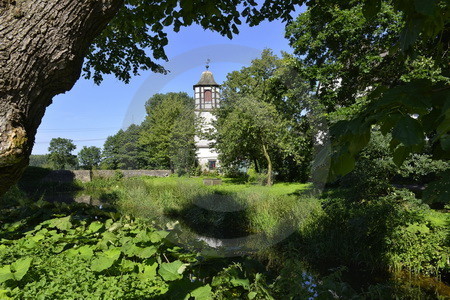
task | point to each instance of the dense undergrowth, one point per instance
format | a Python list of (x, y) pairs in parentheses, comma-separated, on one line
[(60, 251), (331, 241)]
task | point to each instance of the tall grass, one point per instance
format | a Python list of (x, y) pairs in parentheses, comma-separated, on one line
[(265, 209)]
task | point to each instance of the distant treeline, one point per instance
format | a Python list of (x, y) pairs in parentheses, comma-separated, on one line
[(164, 140)]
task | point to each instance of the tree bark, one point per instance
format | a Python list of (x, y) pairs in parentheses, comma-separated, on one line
[(269, 165), (42, 46)]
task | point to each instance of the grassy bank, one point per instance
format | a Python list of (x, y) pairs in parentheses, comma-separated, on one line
[(330, 238)]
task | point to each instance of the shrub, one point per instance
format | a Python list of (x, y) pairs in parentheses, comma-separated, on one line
[(255, 177), (396, 232), (421, 168), (373, 171)]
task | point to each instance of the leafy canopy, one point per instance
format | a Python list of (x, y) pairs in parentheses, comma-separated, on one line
[(167, 135), (135, 39), (121, 151), (260, 120), (61, 153), (384, 62), (89, 157)]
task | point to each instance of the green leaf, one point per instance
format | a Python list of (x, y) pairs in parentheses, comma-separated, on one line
[(86, 252), (4, 295), (21, 267), (109, 236), (425, 7), (5, 273), (344, 164), (408, 131), (105, 260), (101, 263), (371, 8), (131, 249), (202, 293), (400, 154), (113, 253), (157, 236), (388, 122), (245, 283), (172, 271), (149, 272), (94, 227), (445, 142), (61, 223), (358, 142), (251, 295), (142, 236), (146, 252)]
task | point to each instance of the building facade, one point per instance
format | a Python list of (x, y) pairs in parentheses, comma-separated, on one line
[(207, 98)]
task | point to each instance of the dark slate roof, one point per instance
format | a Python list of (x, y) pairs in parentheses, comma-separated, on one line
[(207, 79)]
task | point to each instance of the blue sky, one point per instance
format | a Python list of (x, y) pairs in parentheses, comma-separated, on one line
[(88, 113)]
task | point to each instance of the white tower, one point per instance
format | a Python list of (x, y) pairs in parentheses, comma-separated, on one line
[(207, 98)]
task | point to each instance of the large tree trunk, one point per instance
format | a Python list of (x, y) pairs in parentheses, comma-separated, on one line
[(42, 46)]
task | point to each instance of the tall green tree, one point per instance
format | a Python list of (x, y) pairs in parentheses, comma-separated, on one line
[(89, 157), (121, 151), (274, 81), (380, 65), (60, 153), (252, 129), (167, 136)]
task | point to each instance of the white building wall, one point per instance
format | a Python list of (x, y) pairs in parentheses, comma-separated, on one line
[(204, 152)]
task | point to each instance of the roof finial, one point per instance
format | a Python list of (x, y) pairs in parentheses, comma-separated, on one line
[(207, 63)]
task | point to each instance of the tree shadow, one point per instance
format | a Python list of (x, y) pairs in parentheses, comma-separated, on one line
[(40, 183), (217, 215)]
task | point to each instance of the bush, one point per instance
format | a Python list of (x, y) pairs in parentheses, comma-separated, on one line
[(393, 232), (421, 169), (373, 172), (255, 177)]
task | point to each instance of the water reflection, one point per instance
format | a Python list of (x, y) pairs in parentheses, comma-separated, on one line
[(75, 198)]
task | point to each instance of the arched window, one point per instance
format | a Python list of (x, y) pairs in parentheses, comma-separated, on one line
[(208, 96)]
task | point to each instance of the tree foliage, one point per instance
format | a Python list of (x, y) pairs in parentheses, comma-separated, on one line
[(276, 129), (251, 130), (122, 48), (167, 136), (89, 157), (39, 160), (121, 151), (393, 55), (60, 153)]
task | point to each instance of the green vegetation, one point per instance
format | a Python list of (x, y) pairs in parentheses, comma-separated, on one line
[(60, 153), (89, 157), (395, 233), (378, 73), (350, 51), (167, 137), (61, 252), (121, 151), (261, 121)]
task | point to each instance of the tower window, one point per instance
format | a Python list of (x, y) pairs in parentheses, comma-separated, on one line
[(208, 96)]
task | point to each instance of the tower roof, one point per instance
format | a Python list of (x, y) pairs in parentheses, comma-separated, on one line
[(207, 79)]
